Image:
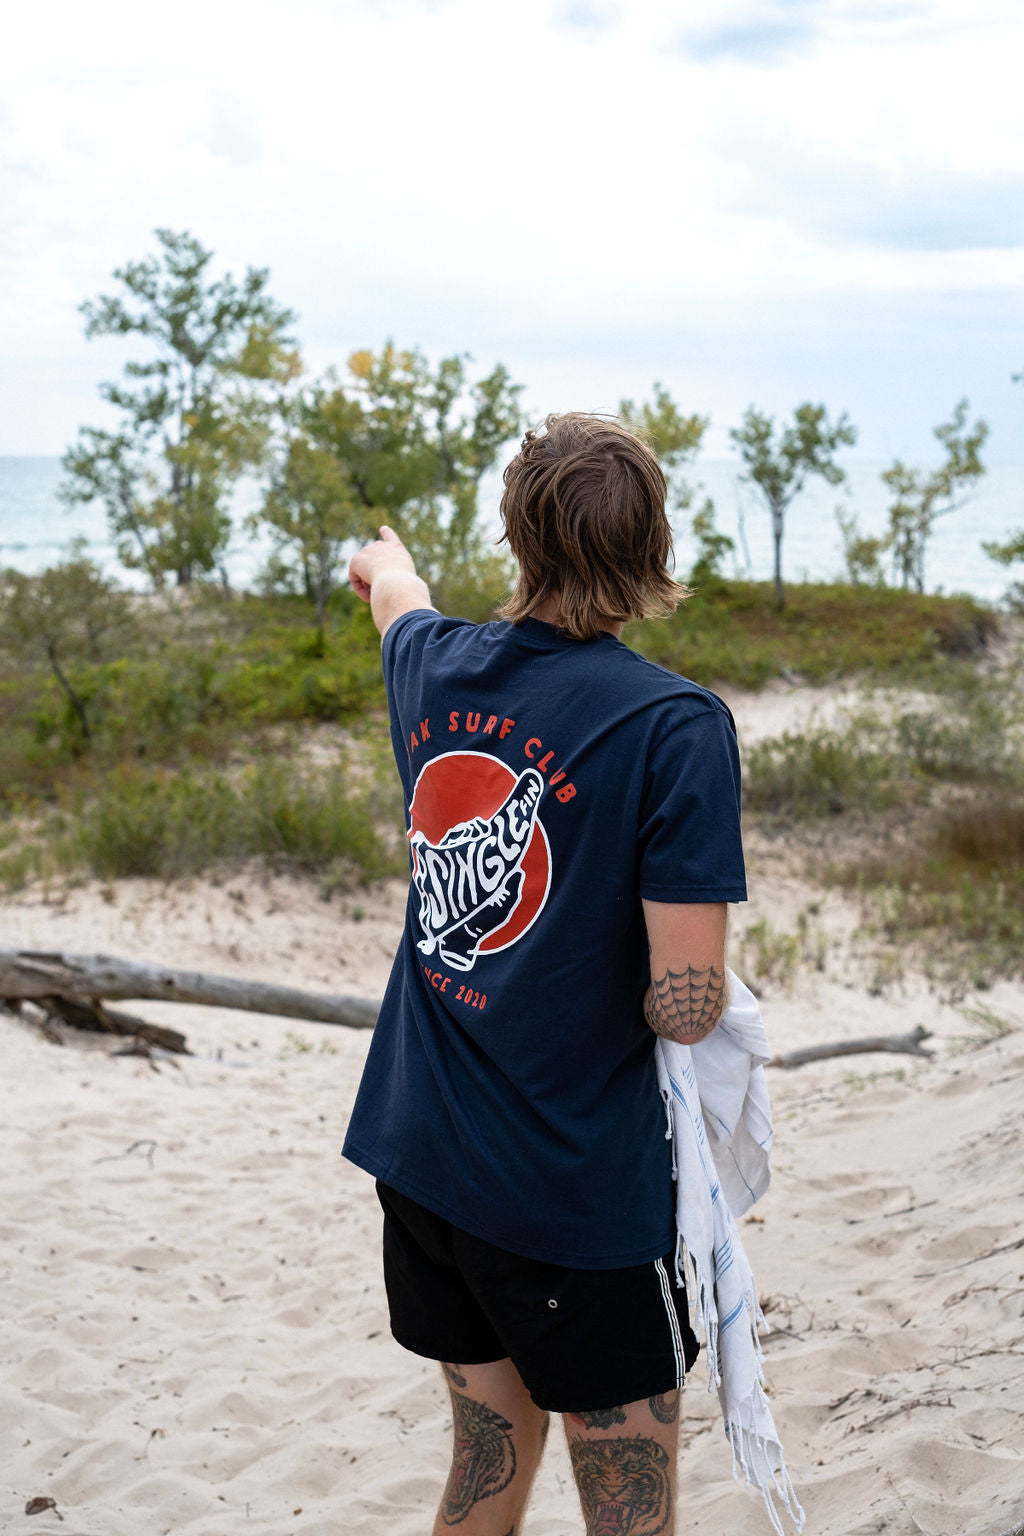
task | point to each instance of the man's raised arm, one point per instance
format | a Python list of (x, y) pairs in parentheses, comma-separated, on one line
[(687, 995), (383, 575)]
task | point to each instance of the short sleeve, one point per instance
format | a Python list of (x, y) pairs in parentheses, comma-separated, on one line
[(690, 846), (405, 636)]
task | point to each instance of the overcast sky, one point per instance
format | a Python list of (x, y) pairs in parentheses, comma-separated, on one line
[(753, 201)]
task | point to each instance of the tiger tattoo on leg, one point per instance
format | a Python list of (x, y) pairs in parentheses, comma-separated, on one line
[(623, 1485), (484, 1459)]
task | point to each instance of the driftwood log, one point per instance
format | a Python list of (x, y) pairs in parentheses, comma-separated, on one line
[(907, 1045), (71, 986), (48, 974)]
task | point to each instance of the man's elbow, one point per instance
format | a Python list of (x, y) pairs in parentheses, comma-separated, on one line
[(686, 1006)]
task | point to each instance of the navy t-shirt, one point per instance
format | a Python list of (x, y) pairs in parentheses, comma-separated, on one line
[(550, 784)]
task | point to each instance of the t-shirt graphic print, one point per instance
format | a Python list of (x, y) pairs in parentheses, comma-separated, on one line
[(481, 858)]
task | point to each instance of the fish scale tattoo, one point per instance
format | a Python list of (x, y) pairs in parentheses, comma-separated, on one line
[(685, 1002)]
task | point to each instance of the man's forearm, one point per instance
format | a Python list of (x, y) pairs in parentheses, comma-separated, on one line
[(396, 592), (686, 1005)]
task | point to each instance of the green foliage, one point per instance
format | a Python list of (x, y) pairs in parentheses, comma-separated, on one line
[(312, 512), (674, 438), (195, 415), (862, 552), (398, 442), (920, 497), (1007, 554), (771, 956), (732, 632), (68, 615), (202, 681), (953, 889), (712, 548), (988, 1027), (152, 822), (965, 737), (965, 921), (820, 773), (969, 747), (779, 466)]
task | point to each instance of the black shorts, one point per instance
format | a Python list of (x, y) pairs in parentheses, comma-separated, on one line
[(581, 1339)]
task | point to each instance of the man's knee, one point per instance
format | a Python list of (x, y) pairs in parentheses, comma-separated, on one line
[(623, 1460)]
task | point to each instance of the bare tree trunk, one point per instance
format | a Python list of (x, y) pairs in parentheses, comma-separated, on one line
[(780, 593)]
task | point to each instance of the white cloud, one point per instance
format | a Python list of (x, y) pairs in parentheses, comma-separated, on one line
[(559, 181)]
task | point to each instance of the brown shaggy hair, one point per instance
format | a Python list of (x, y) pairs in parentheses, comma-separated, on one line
[(584, 515)]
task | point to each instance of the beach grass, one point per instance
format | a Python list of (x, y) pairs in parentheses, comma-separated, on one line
[(938, 858), (336, 822)]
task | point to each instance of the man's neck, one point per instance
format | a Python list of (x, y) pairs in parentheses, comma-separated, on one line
[(547, 610)]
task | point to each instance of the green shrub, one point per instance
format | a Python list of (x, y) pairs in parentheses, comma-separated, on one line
[(731, 632), (821, 773), (965, 737), (154, 822)]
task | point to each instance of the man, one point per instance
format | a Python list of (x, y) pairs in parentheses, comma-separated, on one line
[(574, 825)]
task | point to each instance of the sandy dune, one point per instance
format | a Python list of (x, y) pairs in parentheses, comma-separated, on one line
[(193, 1338)]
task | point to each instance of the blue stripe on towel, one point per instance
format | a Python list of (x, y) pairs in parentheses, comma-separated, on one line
[(726, 1322)]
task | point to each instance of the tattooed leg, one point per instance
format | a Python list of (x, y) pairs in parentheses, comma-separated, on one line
[(623, 1485), (625, 1471), (600, 1418), (484, 1461), (665, 1407), (498, 1438)]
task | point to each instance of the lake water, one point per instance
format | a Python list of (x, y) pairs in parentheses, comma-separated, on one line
[(35, 528)]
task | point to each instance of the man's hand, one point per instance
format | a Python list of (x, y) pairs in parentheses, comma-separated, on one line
[(687, 995), (383, 575)]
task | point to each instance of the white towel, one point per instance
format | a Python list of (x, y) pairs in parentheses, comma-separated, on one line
[(719, 1119)]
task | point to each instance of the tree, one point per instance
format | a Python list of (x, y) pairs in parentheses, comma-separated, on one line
[(780, 466), (921, 497), (1008, 554), (312, 514), (194, 417), (69, 613), (400, 442), (674, 438), (712, 547), (862, 551)]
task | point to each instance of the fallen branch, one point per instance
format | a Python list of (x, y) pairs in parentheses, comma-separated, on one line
[(89, 1013), (906, 1045), (47, 974)]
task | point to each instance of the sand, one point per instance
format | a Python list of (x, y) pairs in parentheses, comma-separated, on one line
[(194, 1339)]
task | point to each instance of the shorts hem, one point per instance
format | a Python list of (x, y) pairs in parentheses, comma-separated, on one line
[(457, 1357), (553, 1402)]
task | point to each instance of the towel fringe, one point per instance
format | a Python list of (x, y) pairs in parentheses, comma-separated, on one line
[(720, 1260)]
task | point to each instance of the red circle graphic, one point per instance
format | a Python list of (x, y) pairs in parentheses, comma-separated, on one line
[(457, 787)]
